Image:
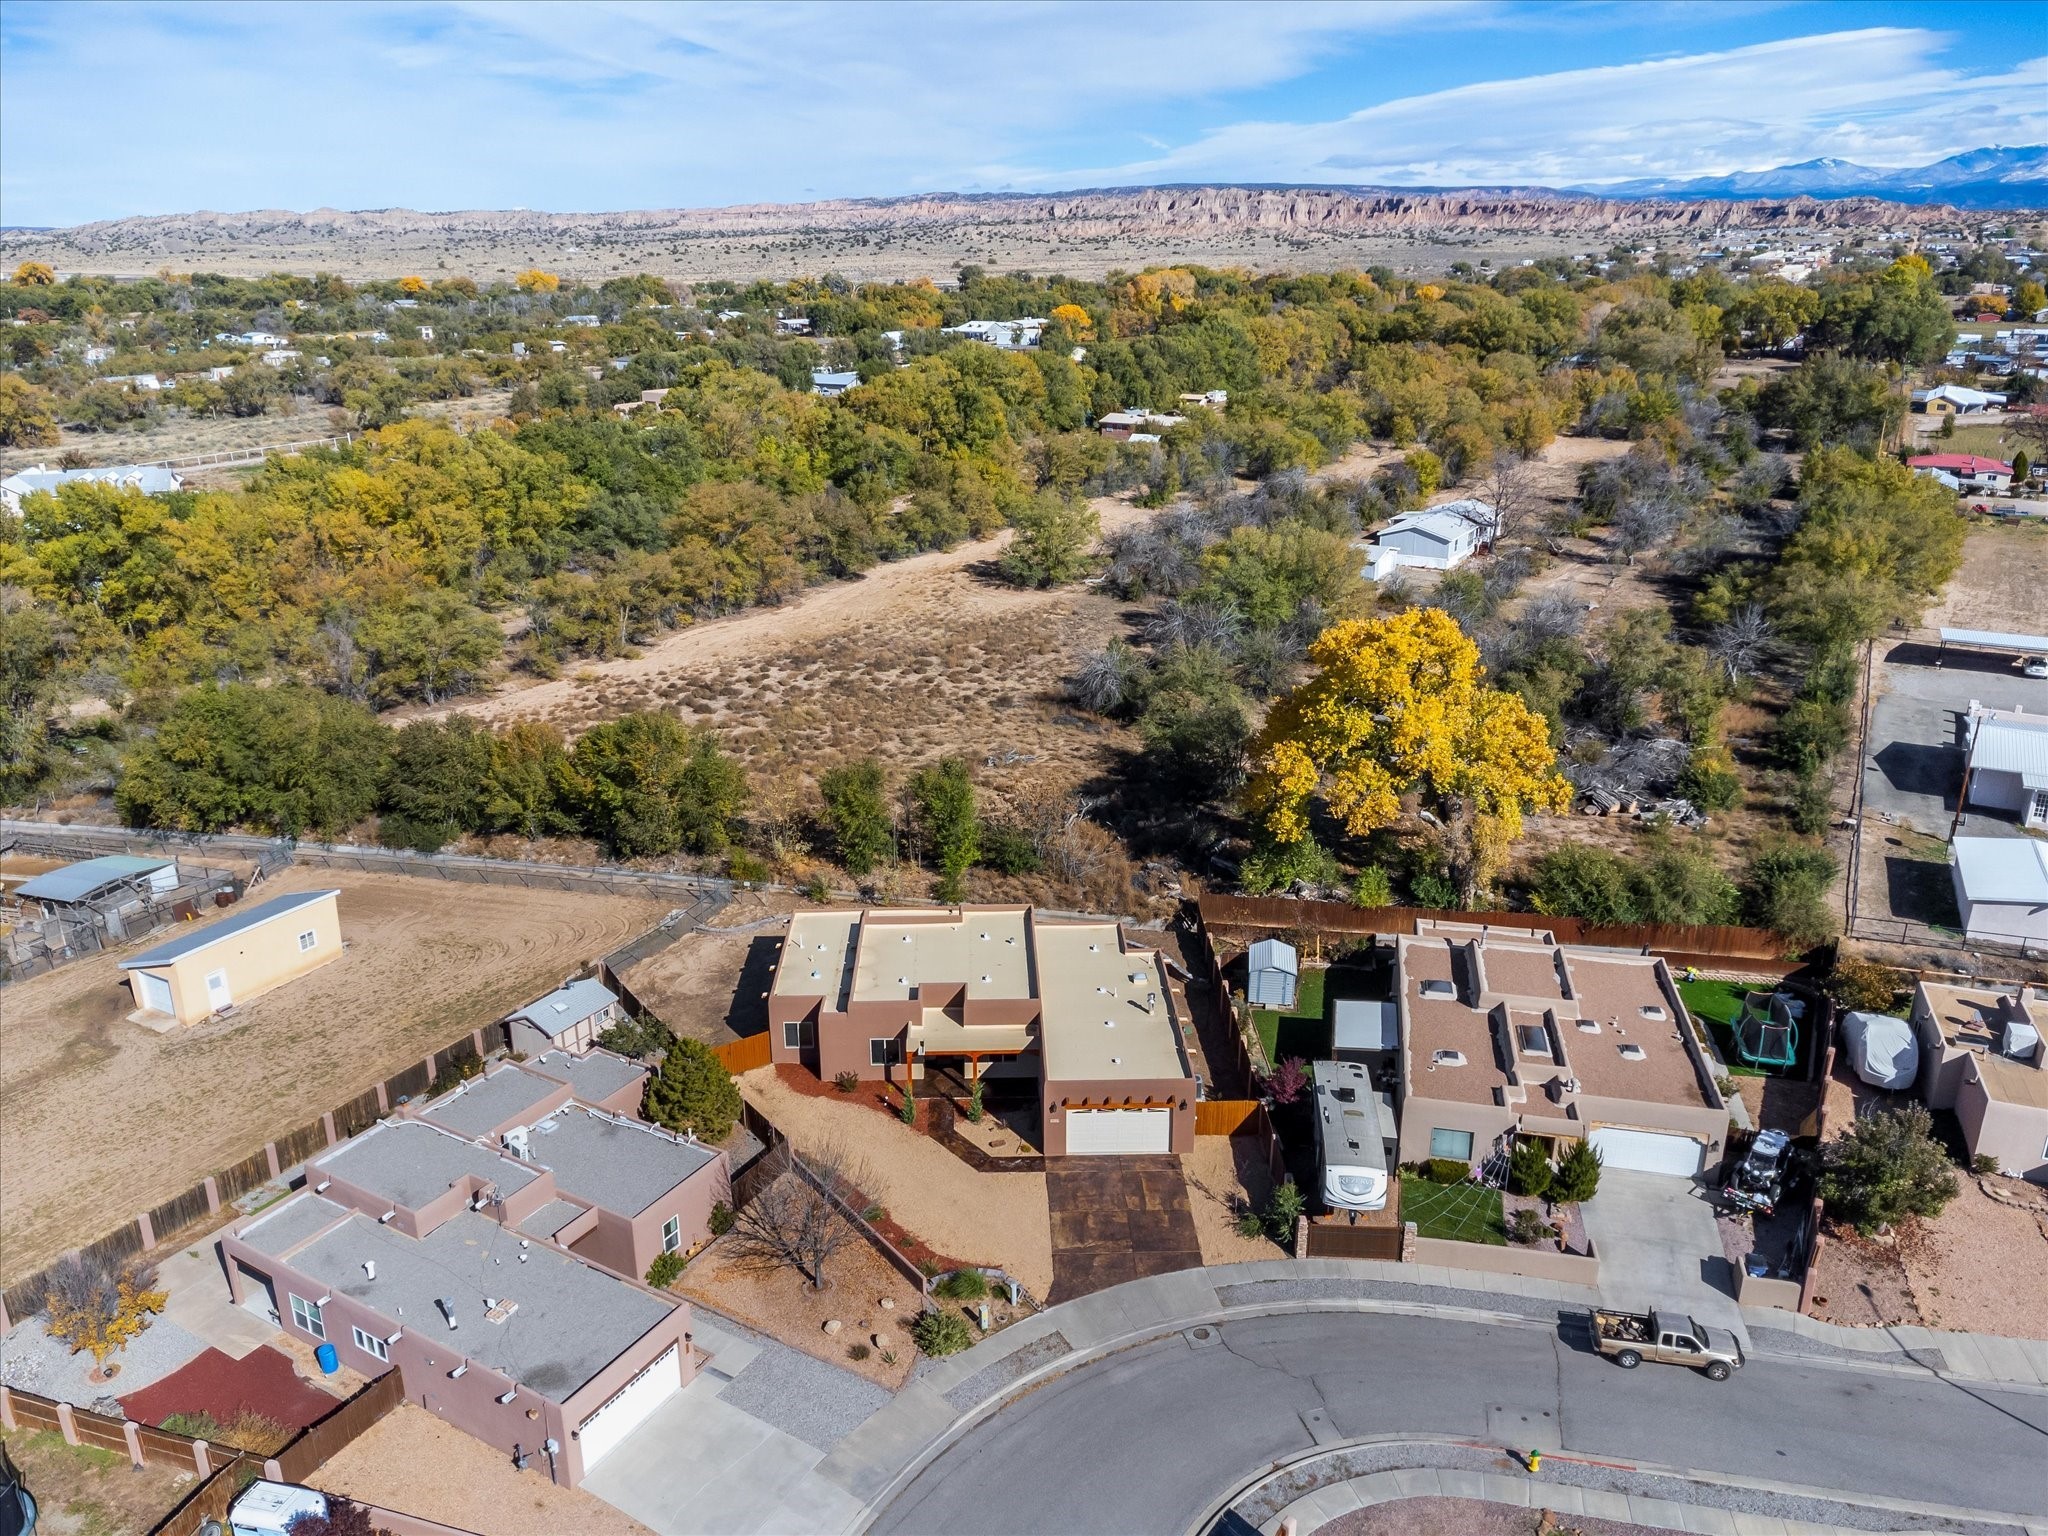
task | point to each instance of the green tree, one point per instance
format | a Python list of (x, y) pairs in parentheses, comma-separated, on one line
[(427, 647), (1267, 575), (435, 792), (1529, 1172), (1785, 889), (857, 813), (651, 785), (530, 787), (1832, 399), (33, 641), (1577, 1175), (1050, 542), (1886, 1167), (942, 799), (1195, 723), (692, 1091)]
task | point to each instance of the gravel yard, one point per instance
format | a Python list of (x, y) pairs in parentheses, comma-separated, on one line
[(819, 1404), (1227, 1175), (34, 1362), (779, 1302), (413, 1462), (1981, 1266), (995, 1219), (1469, 1517)]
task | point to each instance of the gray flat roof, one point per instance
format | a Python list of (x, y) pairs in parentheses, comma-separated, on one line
[(551, 1218), (571, 1320), (595, 1075), (621, 1165), (226, 928), (566, 1005), (411, 1162), (484, 1103), (1996, 640), (290, 1222), (75, 882)]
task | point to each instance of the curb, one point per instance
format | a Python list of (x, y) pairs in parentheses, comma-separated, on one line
[(1500, 1489)]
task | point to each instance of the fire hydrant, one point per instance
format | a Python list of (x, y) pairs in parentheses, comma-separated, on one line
[(1535, 1461)]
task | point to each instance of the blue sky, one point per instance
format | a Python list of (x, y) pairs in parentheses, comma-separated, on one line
[(113, 109)]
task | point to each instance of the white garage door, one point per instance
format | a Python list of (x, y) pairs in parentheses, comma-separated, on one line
[(627, 1411), (1647, 1151), (156, 993), (1094, 1132)]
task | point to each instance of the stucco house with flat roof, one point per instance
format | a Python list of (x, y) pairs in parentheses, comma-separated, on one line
[(1984, 1054), (1509, 1033), (570, 1018), (1094, 1019), (235, 958)]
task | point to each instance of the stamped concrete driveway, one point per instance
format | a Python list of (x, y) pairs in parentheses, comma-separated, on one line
[(1659, 1246), (1116, 1219)]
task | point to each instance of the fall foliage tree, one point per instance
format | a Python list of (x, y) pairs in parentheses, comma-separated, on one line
[(100, 1310), (27, 414), (533, 280), (412, 284), (1075, 319), (1397, 705), (34, 274)]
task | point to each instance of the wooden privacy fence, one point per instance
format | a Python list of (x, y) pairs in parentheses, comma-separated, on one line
[(1702, 944), (206, 1200), (744, 1055), (1225, 1117)]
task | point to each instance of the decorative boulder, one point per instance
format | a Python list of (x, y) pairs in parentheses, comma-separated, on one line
[(833, 1325)]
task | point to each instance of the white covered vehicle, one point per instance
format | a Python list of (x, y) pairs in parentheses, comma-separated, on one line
[(1882, 1049)]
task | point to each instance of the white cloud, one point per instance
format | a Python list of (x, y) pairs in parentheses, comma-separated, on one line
[(1872, 94)]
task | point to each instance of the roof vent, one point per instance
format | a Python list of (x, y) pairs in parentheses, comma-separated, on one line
[(1435, 988), (1589, 1026), (1632, 1053), (447, 1306), (1652, 1011), (1447, 1058), (984, 978), (1109, 1023)]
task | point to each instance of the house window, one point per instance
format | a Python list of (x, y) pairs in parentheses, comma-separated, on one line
[(370, 1344), (672, 1234), (307, 940), (881, 1052), (307, 1315), (1456, 1144), (799, 1034)]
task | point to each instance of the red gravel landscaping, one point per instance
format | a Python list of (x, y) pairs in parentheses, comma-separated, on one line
[(262, 1381)]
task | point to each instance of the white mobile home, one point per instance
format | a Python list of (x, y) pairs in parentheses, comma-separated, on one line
[(1351, 1136)]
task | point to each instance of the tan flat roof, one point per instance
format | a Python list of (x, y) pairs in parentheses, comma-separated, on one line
[(1613, 992), (943, 1035), (1972, 1019), (987, 948), (1445, 1024), (1108, 1012), (1521, 971), (2012, 1082), (815, 957)]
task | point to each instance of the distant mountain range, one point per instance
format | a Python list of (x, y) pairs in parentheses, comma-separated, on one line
[(1976, 178)]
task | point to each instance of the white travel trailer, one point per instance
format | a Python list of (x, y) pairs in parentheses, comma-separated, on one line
[(1353, 1126)]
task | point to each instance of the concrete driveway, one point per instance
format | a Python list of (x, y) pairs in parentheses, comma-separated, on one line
[(1116, 1219), (1914, 767), (1659, 1246)]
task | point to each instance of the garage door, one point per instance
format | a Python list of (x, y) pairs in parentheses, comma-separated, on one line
[(1095, 1132), (156, 993), (1647, 1151), (627, 1411)]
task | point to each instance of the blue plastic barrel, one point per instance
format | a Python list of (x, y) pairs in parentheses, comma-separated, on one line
[(330, 1362)]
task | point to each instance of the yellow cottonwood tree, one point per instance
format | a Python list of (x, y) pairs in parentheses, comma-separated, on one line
[(1398, 705), (533, 280), (34, 274)]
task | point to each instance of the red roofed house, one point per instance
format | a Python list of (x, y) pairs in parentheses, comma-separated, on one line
[(1964, 472)]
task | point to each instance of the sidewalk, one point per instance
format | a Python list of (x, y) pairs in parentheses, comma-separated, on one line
[(942, 1393)]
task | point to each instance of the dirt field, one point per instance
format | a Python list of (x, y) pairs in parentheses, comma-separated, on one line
[(1227, 1175), (85, 1491), (100, 1118), (1982, 1265), (2001, 583), (709, 986), (415, 1463)]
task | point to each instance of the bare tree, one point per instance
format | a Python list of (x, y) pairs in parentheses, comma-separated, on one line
[(801, 1221), (1189, 624), (1642, 523), (1552, 616), (1510, 489), (1741, 643), (1104, 680)]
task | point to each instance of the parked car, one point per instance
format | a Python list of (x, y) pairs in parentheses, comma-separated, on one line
[(2037, 666), (1670, 1338)]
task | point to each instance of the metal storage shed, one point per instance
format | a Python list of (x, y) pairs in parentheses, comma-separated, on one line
[(1272, 970)]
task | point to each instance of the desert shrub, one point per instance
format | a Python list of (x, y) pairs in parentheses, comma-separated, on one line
[(747, 868), (1710, 783), (1280, 866), (1446, 1170), (1372, 887), (907, 1110), (693, 1091), (1885, 1167), (944, 1332), (857, 1352), (1431, 889), (817, 890), (1528, 1227), (1050, 544), (665, 1271), (1785, 889), (1983, 1163), (1864, 985), (1577, 1176), (846, 1082), (1251, 1224), (962, 1285), (1529, 1169), (99, 1307), (974, 1109), (721, 1219), (1008, 849), (639, 1038), (1283, 1211)]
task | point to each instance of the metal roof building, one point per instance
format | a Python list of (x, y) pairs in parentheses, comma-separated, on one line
[(91, 878)]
